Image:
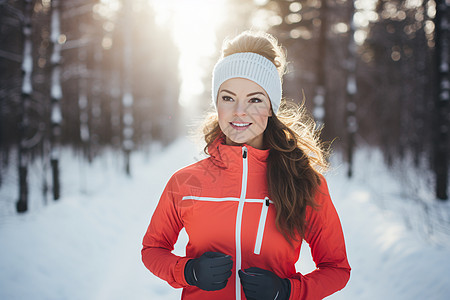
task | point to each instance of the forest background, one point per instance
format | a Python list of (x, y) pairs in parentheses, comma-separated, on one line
[(110, 75)]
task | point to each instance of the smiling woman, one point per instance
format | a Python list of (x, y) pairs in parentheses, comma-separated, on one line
[(193, 24), (248, 206)]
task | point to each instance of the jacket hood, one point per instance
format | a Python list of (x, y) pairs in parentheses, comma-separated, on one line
[(230, 157)]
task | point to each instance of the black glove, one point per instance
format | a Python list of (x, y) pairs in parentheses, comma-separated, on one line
[(209, 272), (260, 284)]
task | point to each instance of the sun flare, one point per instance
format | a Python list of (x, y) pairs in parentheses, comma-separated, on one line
[(193, 24)]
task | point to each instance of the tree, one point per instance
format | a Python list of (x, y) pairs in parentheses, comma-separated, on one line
[(55, 96), (61, 81), (320, 94), (27, 90), (127, 92), (351, 89), (442, 123)]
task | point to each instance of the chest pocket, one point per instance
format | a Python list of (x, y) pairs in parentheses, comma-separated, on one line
[(261, 226)]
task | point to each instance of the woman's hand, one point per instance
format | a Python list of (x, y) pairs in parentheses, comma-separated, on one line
[(260, 284), (209, 272)]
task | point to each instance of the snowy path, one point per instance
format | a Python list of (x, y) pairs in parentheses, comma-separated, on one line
[(87, 246)]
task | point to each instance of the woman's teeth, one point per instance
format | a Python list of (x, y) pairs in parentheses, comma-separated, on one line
[(240, 124)]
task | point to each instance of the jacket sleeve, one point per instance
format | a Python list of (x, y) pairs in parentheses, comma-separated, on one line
[(326, 240), (161, 235)]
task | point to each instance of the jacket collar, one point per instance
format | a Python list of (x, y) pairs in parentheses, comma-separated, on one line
[(230, 157)]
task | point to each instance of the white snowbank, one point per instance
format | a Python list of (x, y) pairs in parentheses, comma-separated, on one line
[(87, 245)]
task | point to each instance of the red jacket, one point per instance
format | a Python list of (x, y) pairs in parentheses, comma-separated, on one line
[(223, 203)]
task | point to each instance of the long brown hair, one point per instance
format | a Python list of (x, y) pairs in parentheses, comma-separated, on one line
[(296, 155)]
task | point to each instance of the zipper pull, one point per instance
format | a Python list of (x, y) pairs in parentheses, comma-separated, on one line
[(267, 201), (244, 152)]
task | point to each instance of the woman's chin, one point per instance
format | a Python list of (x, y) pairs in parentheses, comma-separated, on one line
[(235, 142)]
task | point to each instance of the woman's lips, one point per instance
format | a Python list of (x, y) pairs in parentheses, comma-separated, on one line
[(240, 125)]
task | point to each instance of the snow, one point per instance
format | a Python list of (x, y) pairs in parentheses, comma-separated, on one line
[(56, 57), (444, 67), (55, 26), (351, 85), (27, 87), (27, 64), (56, 90), (27, 67), (319, 112), (56, 116), (87, 245), (84, 129), (127, 99)]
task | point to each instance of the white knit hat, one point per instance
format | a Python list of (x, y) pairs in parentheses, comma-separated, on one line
[(250, 66)]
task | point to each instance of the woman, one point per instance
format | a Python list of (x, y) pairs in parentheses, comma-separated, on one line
[(248, 206)]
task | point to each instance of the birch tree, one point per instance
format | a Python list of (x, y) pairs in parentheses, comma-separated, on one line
[(351, 89), (27, 90), (127, 93), (83, 100), (320, 90), (55, 96)]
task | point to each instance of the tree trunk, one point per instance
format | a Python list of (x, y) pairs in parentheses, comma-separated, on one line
[(441, 148), (2, 150), (320, 93), (127, 93), (83, 100), (96, 103), (56, 96), (27, 90), (351, 89)]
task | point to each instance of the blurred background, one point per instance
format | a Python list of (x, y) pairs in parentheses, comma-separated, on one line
[(82, 80), (91, 75)]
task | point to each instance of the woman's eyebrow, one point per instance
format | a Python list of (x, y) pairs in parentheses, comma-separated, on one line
[(255, 93), (229, 92), (251, 94)]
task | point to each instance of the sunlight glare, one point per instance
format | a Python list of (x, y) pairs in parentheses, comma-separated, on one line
[(193, 24)]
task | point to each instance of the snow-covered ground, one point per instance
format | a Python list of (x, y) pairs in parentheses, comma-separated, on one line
[(87, 245)]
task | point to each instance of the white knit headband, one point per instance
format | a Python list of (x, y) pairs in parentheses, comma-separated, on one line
[(250, 66)]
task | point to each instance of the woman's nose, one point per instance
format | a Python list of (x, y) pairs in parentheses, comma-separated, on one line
[(240, 108)]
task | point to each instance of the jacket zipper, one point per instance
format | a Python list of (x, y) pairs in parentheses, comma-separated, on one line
[(261, 226), (239, 220), (242, 200)]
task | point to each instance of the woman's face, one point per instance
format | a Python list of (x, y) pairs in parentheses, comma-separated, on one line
[(243, 108)]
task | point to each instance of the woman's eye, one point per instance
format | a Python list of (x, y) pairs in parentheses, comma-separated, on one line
[(227, 98), (255, 100)]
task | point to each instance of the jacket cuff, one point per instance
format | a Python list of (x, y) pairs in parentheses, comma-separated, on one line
[(287, 288), (179, 271), (291, 292), (295, 286)]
